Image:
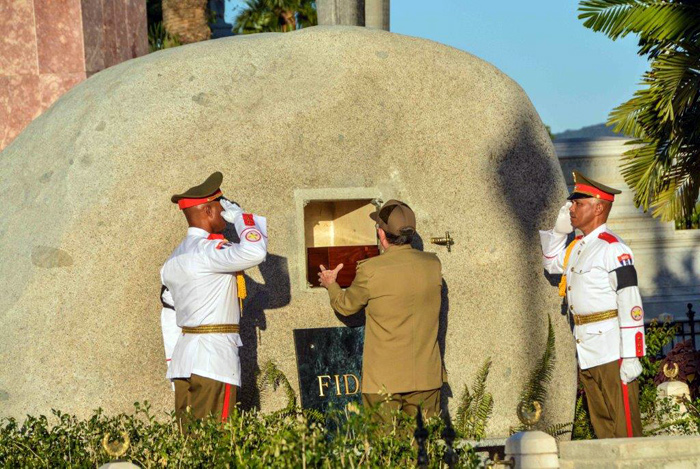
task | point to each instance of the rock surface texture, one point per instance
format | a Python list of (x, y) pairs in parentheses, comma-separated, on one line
[(86, 220)]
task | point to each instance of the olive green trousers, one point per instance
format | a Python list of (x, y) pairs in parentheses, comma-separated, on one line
[(429, 402), (614, 410), (204, 397)]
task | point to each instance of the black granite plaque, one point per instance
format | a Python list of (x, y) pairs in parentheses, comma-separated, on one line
[(329, 362)]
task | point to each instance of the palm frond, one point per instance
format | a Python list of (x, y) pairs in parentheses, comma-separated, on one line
[(536, 387), (653, 20), (663, 116), (582, 428), (540, 377), (475, 407), (558, 429)]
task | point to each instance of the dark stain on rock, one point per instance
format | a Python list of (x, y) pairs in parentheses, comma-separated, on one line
[(70, 162), (48, 258), (203, 99), (192, 78), (86, 160), (46, 177), (101, 126), (382, 54), (4, 395)]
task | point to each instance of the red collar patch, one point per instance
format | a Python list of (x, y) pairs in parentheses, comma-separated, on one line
[(605, 236)]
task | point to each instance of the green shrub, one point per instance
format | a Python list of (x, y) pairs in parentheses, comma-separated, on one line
[(248, 439), (656, 336), (670, 420)]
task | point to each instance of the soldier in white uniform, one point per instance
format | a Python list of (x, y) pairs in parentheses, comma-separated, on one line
[(600, 285), (200, 295)]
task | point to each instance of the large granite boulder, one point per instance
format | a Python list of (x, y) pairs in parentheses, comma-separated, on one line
[(319, 114)]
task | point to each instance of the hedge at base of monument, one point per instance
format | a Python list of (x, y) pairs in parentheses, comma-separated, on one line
[(249, 439), (324, 113)]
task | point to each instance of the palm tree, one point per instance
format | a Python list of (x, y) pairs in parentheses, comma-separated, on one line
[(261, 16), (663, 168)]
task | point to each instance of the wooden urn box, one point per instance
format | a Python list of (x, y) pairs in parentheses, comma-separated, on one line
[(338, 232)]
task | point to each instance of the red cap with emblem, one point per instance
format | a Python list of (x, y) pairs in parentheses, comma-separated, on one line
[(207, 191), (585, 188)]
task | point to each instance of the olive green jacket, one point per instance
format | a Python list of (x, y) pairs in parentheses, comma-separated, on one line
[(401, 292)]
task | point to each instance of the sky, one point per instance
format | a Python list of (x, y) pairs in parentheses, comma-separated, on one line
[(573, 76)]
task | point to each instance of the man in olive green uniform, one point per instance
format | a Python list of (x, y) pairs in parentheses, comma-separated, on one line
[(400, 291)]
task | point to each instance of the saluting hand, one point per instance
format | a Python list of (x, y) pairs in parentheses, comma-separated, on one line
[(231, 210), (327, 277), (563, 223)]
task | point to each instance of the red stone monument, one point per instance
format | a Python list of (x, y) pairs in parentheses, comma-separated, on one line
[(49, 46)]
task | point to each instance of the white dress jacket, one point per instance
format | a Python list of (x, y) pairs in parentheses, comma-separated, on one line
[(600, 276)]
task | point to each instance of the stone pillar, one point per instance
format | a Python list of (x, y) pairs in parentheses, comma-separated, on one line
[(676, 390), (341, 12), (532, 449), (50, 46), (377, 14)]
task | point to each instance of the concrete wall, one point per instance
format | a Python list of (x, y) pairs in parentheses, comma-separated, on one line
[(659, 452)]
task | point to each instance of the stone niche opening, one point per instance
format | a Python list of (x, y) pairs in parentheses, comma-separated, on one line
[(338, 232)]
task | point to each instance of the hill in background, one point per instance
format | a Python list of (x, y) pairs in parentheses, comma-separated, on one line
[(591, 131)]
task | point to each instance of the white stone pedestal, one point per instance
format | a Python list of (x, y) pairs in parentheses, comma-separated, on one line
[(674, 389), (119, 465), (532, 450)]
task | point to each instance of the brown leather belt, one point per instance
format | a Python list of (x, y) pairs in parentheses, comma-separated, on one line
[(212, 329), (581, 319)]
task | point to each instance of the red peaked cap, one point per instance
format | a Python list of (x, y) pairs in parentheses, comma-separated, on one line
[(207, 191), (586, 188)]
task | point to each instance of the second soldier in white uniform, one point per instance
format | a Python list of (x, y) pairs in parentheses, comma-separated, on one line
[(201, 310), (600, 285)]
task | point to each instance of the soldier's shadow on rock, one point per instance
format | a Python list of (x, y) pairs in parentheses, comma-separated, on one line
[(274, 292), (526, 181)]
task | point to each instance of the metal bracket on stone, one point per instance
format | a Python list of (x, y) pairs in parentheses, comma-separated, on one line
[(444, 241)]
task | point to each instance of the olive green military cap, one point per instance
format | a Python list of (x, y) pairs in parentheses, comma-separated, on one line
[(207, 191), (585, 188), (394, 216)]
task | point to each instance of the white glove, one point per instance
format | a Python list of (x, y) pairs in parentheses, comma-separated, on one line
[(563, 223), (231, 211), (630, 369)]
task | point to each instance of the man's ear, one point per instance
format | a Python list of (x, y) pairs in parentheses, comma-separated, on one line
[(208, 211), (599, 208)]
